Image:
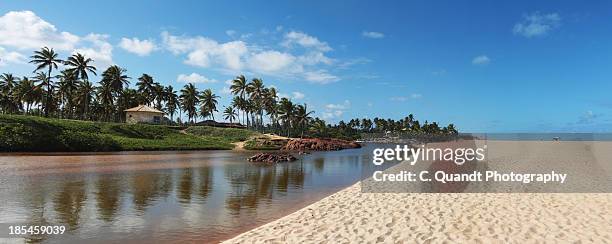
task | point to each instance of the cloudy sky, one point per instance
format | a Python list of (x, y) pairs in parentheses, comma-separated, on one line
[(485, 66)]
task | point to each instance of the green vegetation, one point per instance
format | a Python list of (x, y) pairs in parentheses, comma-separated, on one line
[(28, 133), (263, 143), (71, 94), (231, 134)]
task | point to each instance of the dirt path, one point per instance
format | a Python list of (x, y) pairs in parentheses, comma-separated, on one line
[(239, 146)]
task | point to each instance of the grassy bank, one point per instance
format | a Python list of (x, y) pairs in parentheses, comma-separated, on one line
[(263, 143), (35, 134)]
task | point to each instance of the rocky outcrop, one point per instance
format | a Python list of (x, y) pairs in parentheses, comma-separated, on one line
[(312, 144), (271, 158)]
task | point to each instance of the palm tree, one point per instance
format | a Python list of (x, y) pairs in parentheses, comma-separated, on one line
[(46, 58), (146, 87), (116, 78), (270, 105), (302, 117), (239, 87), (257, 92), (8, 83), (84, 96), (286, 111), (67, 85), (209, 102), (319, 127), (204, 113), (237, 103), (106, 98), (158, 91), (25, 92), (44, 82), (171, 101), (230, 114), (126, 98), (79, 65), (189, 100)]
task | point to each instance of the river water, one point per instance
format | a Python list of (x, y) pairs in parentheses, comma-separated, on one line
[(144, 197)]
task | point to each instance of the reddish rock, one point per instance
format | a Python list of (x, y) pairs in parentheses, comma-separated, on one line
[(271, 158), (312, 144)]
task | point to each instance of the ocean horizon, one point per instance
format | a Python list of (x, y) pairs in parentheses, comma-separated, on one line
[(542, 136)]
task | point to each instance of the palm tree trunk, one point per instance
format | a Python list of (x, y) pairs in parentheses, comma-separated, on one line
[(48, 92)]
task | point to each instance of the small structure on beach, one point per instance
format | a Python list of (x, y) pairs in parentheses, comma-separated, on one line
[(143, 114)]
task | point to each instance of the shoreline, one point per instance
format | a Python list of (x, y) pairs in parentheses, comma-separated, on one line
[(351, 215), (373, 220)]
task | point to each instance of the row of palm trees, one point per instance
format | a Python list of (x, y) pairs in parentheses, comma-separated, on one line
[(69, 93)]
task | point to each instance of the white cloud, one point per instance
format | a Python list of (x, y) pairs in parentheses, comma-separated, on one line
[(333, 111), (204, 52), (100, 50), (415, 96), (481, 60), (340, 106), (25, 30), (302, 39), (271, 61), (536, 24), (356, 61), (314, 58), (226, 90), (230, 33), (238, 56), (320, 76), (398, 99), (194, 78), (138, 47), (298, 95), (11, 57), (373, 34), (294, 95)]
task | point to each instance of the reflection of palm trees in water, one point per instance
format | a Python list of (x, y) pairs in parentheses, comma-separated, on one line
[(185, 186), (319, 164), (250, 184), (36, 203), (107, 196), (149, 186), (206, 182), (69, 202)]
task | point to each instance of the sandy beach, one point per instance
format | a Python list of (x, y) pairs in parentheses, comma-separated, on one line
[(354, 216)]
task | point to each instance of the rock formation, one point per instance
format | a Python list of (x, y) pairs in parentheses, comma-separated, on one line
[(312, 144), (271, 158)]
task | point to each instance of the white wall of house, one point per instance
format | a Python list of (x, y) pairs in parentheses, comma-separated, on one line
[(143, 117)]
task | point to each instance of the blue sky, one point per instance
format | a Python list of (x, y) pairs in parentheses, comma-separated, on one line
[(519, 66)]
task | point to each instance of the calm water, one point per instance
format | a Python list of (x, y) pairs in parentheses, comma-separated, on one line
[(163, 196)]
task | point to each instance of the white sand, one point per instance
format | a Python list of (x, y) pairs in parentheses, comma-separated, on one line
[(351, 216)]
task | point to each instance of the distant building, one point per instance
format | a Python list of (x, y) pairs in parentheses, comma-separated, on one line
[(143, 114)]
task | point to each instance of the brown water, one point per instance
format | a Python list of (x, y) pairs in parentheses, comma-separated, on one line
[(200, 196)]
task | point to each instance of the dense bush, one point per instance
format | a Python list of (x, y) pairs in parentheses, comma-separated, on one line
[(231, 134), (35, 134)]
